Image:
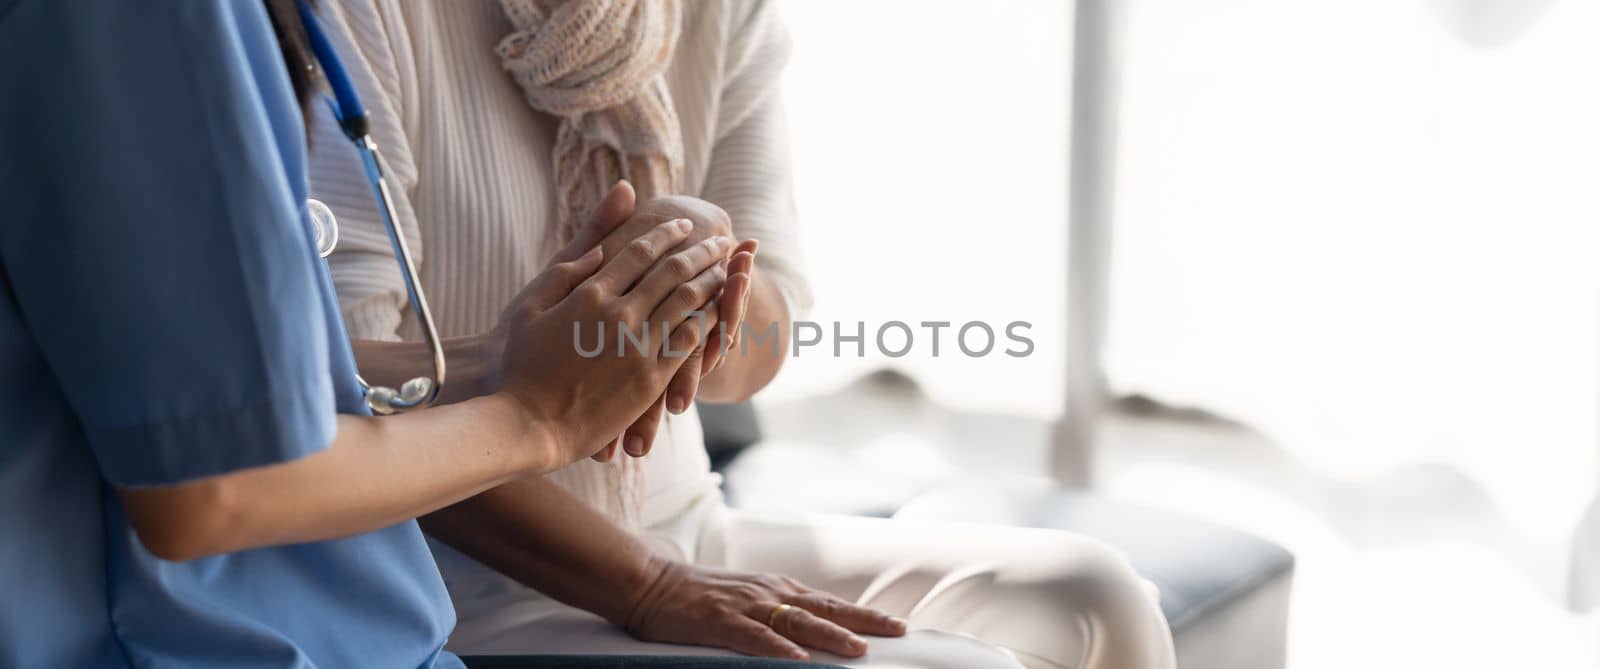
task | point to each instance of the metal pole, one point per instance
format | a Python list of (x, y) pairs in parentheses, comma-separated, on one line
[(1091, 186)]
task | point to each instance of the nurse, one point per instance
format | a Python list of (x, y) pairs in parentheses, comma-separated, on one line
[(188, 473)]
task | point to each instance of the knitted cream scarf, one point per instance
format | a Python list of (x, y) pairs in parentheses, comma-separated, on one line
[(597, 64)]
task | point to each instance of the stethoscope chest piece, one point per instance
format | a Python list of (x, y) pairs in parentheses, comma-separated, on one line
[(324, 225), (412, 394)]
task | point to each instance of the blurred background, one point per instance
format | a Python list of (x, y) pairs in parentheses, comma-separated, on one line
[(1347, 297)]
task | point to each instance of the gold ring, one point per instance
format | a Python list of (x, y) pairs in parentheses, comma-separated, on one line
[(772, 618)]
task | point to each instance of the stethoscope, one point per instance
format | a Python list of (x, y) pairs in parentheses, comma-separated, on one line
[(352, 117)]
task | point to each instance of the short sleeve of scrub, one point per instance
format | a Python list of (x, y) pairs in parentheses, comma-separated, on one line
[(169, 293)]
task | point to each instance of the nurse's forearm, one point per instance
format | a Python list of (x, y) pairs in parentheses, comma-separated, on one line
[(542, 536), (377, 472), (752, 364), (472, 364)]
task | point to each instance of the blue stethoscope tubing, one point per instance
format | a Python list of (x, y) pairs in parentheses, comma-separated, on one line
[(353, 120)]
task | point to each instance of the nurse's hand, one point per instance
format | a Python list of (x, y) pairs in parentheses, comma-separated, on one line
[(728, 609), (564, 362)]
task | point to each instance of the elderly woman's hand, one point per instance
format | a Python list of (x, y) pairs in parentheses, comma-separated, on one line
[(728, 609)]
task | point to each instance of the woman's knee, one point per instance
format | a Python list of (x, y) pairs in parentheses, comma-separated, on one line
[(1117, 609), (933, 649), (1097, 577), (1070, 600)]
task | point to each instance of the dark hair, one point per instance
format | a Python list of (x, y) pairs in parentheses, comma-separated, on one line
[(297, 57)]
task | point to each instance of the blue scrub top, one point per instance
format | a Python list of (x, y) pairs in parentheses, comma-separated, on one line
[(163, 316)]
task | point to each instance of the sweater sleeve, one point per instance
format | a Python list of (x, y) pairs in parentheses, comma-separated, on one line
[(366, 273), (749, 174)]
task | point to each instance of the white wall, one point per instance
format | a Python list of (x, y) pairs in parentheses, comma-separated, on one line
[(929, 145), (1348, 227)]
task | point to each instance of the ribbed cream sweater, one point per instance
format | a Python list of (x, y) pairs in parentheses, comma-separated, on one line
[(470, 162)]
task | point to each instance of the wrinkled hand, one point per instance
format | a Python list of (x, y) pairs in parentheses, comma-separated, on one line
[(732, 306), (585, 401), (728, 609), (721, 321)]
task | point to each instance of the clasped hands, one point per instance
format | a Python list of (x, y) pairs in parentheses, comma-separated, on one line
[(667, 270), (719, 320)]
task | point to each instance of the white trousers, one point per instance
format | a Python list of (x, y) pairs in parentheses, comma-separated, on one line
[(975, 596)]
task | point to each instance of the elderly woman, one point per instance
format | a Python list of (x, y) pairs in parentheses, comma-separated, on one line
[(505, 122)]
